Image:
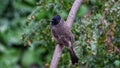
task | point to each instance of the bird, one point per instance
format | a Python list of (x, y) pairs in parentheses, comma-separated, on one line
[(63, 35)]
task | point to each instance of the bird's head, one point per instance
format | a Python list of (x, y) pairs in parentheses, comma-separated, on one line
[(56, 20)]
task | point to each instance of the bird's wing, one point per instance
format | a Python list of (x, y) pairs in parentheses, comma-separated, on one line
[(56, 36), (54, 33), (70, 37)]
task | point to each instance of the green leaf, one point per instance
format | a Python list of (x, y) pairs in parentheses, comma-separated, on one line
[(117, 63), (82, 10), (41, 14)]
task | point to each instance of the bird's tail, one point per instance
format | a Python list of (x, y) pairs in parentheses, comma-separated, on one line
[(74, 58)]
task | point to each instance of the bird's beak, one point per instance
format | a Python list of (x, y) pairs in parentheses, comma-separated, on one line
[(51, 20)]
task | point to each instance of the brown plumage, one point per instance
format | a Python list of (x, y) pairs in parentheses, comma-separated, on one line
[(63, 35)]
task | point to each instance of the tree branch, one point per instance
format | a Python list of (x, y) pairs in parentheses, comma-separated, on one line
[(56, 56), (70, 19), (73, 13)]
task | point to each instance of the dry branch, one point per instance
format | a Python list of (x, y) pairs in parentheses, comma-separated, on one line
[(109, 36)]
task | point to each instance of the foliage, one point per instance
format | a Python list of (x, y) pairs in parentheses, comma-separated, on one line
[(26, 42)]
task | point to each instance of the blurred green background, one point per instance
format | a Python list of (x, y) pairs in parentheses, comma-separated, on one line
[(26, 42)]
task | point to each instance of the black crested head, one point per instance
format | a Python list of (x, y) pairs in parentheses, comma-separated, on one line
[(56, 20)]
